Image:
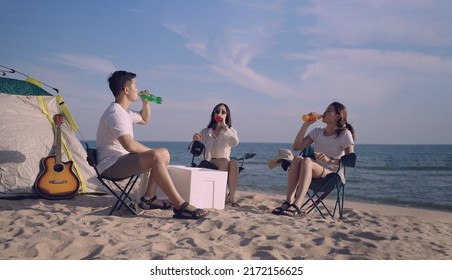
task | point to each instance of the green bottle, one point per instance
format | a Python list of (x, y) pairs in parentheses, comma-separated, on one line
[(150, 97)]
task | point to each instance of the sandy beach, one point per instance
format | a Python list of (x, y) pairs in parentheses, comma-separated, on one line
[(80, 228)]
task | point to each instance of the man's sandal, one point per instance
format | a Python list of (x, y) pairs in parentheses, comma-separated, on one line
[(148, 205), (184, 213)]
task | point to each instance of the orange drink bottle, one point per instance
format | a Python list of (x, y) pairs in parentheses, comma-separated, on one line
[(311, 117)]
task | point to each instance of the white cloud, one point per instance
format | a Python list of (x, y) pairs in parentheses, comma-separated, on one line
[(231, 54), (370, 78), (402, 22), (85, 62), (272, 5), (371, 58)]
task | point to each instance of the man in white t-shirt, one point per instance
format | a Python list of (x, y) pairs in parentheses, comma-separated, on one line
[(119, 155)]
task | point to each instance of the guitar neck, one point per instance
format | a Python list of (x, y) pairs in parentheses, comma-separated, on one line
[(58, 145), (58, 123)]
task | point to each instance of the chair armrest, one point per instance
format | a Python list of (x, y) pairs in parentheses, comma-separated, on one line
[(349, 160)]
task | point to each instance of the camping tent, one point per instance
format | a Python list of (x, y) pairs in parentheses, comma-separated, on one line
[(27, 135)]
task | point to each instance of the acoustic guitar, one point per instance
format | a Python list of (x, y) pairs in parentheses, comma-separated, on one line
[(56, 179)]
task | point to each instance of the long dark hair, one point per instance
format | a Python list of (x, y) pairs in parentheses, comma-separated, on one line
[(212, 116), (342, 123)]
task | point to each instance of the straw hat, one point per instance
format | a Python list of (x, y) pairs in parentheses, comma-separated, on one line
[(282, 154)]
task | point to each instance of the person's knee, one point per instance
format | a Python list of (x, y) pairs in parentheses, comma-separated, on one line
[(156, 156), (306, 162), (297, 160), (295, 164), (165, 154)]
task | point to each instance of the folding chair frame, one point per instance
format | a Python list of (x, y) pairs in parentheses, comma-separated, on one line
[(321, 188), (123, 193)]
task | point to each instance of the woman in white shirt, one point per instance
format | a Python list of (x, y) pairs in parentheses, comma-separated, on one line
[(219, 137), (330, 143)]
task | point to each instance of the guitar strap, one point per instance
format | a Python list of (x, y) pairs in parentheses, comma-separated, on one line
[(45, 110)]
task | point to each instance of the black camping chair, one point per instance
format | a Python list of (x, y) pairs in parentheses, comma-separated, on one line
[(115, 186), (242, 160), (197, 148), (321, 188)]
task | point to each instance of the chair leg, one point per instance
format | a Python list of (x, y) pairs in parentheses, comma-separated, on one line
[(124, 193), (318, 203), (315, 203), (319, 190), (120, 199), (341, 208)]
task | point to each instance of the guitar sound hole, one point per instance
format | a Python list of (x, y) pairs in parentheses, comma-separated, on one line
[(58, 167)]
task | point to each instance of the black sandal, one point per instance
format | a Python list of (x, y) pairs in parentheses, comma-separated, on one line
[(292, 213), (147, 204), (279, 210), (183, 213)]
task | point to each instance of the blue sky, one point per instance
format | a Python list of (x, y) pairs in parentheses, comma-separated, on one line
[(388, 61)]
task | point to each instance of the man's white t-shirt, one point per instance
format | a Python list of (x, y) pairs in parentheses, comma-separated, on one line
[(114, 123)]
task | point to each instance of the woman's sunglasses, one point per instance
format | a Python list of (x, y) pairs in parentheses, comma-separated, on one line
[(218, 111)]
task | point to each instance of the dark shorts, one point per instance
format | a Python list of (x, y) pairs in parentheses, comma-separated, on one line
[(125, 166)]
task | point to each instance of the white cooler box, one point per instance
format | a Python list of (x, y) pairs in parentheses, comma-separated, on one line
[(203, 188)]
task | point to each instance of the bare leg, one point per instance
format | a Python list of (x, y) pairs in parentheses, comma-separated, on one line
[(232, 168), (152, 184), (309, 170), (233, 174), (157, 160), (150, 192), (293, 178), (151, 188)]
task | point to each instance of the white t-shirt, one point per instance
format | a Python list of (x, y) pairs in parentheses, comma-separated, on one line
[(331, 146), (219, 146), (114, 123)]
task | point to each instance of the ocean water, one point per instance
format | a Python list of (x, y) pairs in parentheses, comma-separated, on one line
[(403, 175)]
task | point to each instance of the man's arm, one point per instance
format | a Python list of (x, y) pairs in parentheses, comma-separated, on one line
[(145, 112), (131, 145)]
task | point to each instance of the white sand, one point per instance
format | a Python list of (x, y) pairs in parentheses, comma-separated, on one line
[(81, 229)]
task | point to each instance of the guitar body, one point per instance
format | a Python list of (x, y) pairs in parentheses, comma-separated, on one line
[(56, 180)]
